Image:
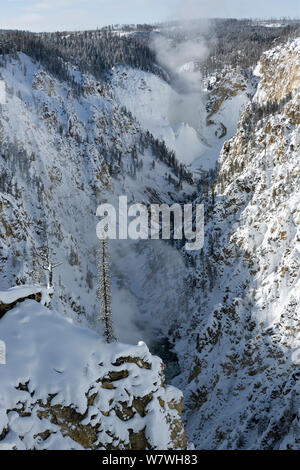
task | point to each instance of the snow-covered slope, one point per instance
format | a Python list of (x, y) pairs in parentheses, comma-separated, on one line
[(62, 387), (59, 149), (159, 108), (240, 349), (194, 125), (232, 310)]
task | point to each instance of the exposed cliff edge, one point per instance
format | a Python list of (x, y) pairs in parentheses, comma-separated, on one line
[(63, 388)]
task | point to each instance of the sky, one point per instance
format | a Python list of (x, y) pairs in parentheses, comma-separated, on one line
[(57, 15)]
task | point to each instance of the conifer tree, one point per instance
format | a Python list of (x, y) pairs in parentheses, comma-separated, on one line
[(104, 291)]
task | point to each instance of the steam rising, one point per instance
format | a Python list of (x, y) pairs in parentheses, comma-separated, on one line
[(148, 289), (180, 58)]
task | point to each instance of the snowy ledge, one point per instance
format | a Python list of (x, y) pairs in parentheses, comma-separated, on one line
[(62, 387), (9, 297)]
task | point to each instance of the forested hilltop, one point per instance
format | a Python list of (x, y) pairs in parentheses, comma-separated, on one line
[(231, 43)]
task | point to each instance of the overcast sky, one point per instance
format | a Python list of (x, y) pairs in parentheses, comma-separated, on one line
[(56, 15)]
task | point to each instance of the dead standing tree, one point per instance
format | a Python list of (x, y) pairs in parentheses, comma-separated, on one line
[(104, 291), (45, 256)]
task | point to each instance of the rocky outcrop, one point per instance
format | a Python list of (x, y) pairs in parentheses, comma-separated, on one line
[(221, 88), (278, 70), (11, 297), (62, 387)]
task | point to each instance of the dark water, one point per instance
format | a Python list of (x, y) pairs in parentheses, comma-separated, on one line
[(164, 349)]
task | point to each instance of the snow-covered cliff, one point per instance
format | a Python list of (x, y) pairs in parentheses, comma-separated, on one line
[(242, 341), (232, 310), (62, 387), (59, 151)]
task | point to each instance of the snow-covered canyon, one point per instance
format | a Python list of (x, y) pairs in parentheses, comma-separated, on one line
[(226, 318)]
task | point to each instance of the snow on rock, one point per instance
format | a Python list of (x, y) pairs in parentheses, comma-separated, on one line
[(279, 72), (10, 297), (162, 110), (239, 352), (59, 150), (63, 388), (182, 119), (13, 294)]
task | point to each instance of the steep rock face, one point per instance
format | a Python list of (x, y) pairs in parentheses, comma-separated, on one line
[(222, 87), (193, 125), (236, 331), (279, 72), (59, 149), (63, 388), (242, 342)]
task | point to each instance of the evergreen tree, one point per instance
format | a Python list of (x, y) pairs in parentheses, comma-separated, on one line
[(104, 291)]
